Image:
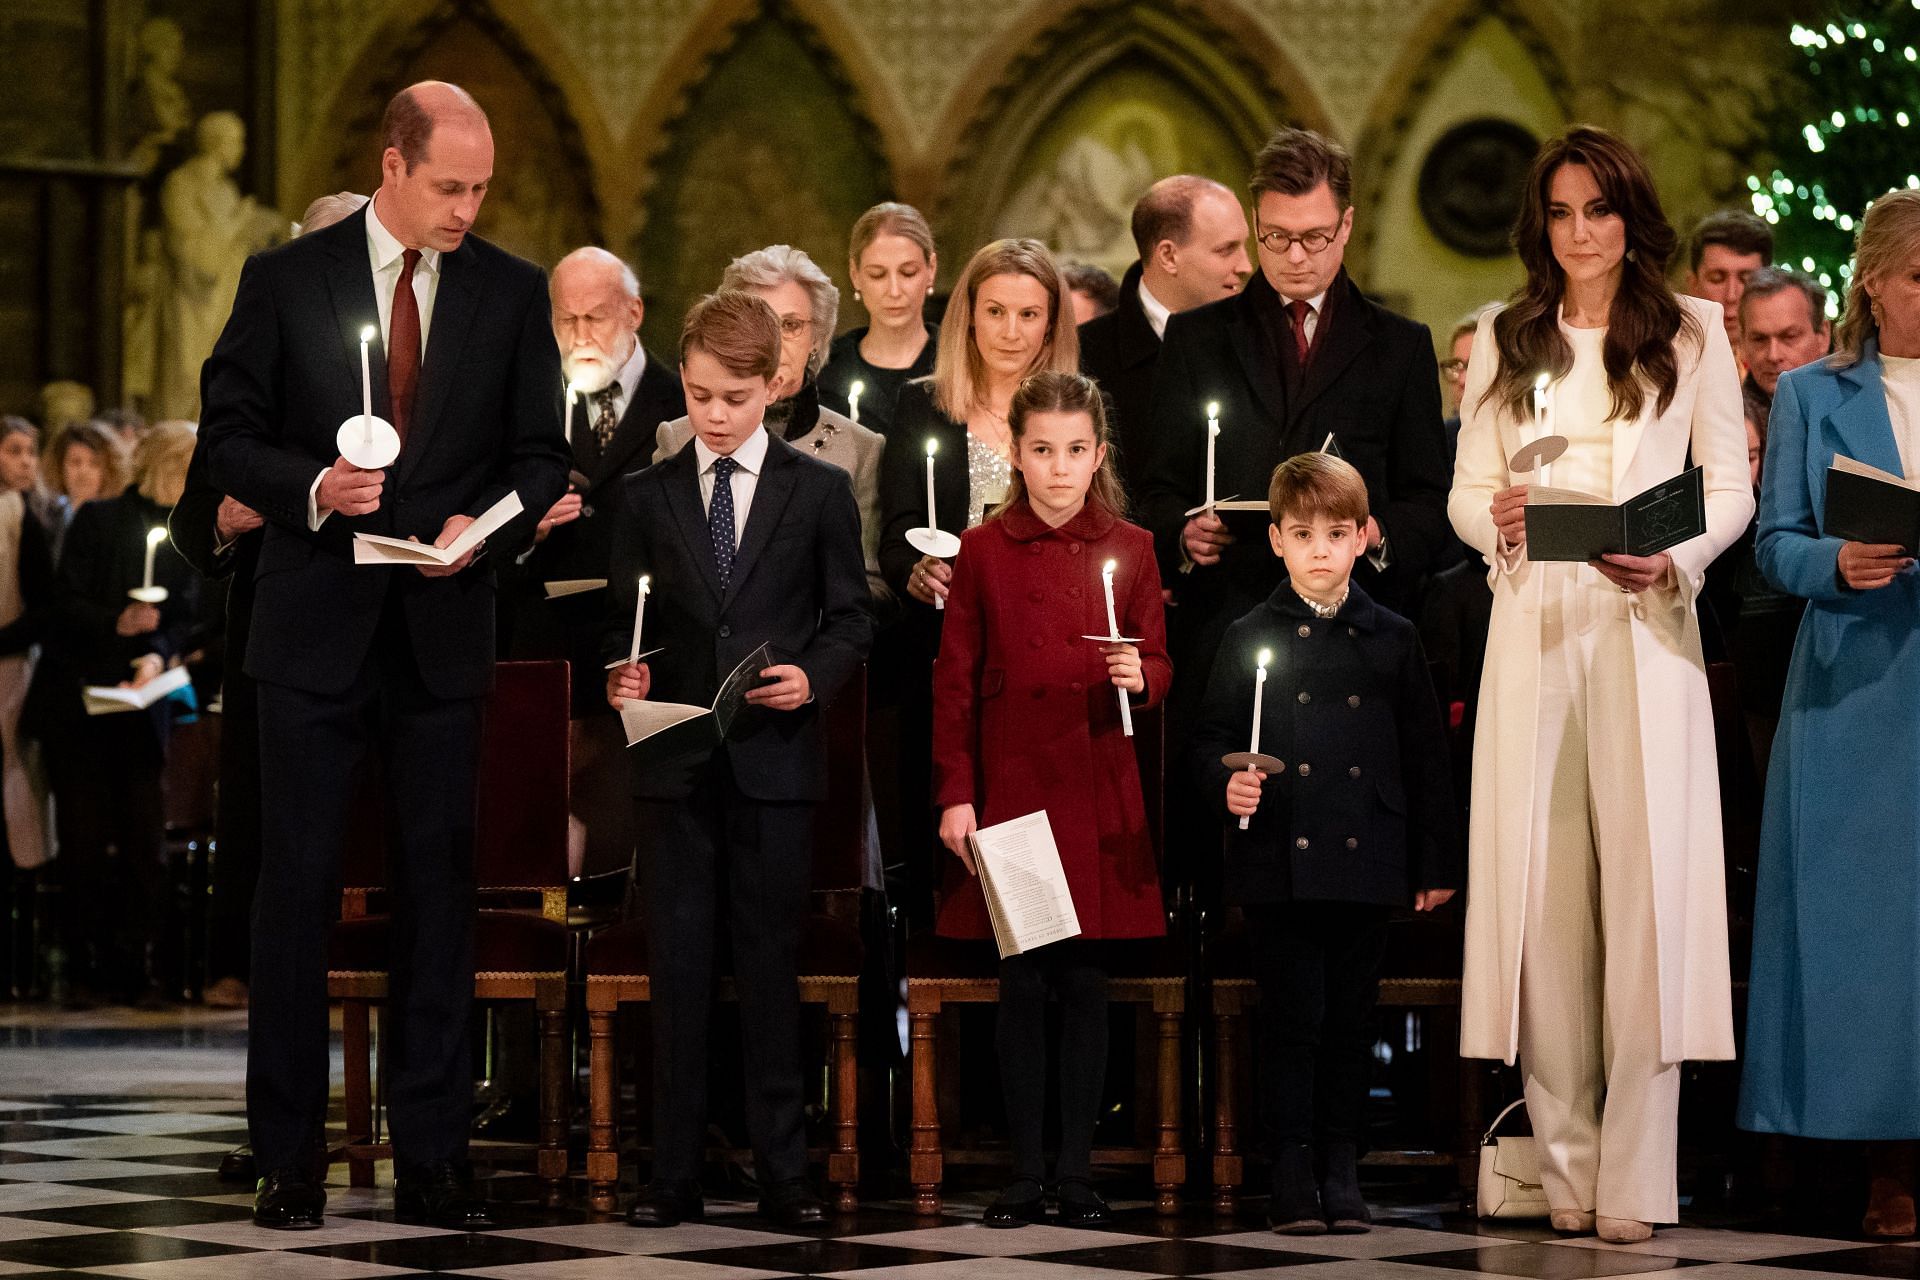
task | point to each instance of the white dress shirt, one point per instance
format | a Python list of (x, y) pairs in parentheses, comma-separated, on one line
[(1314, 304), (624, 384), (751, 455), (1156, 311), (386, 255)]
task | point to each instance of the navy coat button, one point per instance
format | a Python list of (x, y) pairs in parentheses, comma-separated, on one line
[(1305, 631), (1354, 772), (1352, 843), (1305, 768), (1301, 843), (1353, 699), (1353, 631), (725, 631), (1305, 696)]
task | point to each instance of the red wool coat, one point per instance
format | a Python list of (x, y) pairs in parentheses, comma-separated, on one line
[(1025, 718)]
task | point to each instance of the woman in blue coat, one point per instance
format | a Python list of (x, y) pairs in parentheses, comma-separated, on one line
[(1833, 1026)]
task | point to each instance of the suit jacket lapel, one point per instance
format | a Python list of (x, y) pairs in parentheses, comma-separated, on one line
[(454, 305), (1348, 331), (680, 478), (1260, 364), (770, 494), (350, 282), (629, 436), (1137, 342)]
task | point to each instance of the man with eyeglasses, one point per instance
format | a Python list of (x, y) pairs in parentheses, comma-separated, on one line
[(1296, 358)]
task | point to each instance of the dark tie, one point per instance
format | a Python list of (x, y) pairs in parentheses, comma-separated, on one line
[(403, 345), (1302, 344), (604, 418), (720, 517)]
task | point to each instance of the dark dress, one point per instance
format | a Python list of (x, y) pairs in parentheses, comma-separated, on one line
[(845, 365)]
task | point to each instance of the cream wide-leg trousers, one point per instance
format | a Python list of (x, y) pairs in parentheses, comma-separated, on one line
[(1605, 1107)]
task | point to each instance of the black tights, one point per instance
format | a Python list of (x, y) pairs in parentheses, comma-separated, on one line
[(1076, 972)]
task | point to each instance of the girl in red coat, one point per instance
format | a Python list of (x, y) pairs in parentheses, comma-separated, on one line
[(1025, 718)]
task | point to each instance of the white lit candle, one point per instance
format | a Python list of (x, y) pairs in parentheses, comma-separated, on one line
[(155, 536), (1113, 633), (853, 399), (1259, 697), (1213, 433), (639, 617), (366, 387), (1543, 421), (933, 447), (573, 395)]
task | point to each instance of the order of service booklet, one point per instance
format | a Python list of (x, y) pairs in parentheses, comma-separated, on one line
[(1866, 504), (107, 699), (666, 731), (1565, 524), (1024, 884)]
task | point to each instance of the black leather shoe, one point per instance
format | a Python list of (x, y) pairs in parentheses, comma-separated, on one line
[(1294, 1209), (1022, 1202), (288, 1200), (792, 1204), (439, 1193), (1081, 1205), (238, 1165), (667, 1204)]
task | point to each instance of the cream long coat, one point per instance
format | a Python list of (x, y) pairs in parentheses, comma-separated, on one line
[(1682, 791)]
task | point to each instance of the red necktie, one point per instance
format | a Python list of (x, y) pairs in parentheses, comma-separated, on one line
[(1302, 344), (403, 345)]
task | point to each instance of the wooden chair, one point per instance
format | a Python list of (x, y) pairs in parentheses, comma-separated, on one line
[(1421, 971), (520, 931), (188, 779), (831, 956), (943, 971)]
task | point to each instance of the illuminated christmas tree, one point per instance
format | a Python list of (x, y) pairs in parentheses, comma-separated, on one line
[(1847, 131)]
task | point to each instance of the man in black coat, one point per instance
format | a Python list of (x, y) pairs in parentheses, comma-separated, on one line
[(746, 541), (1192, 236), (398, 658), (1300, 355)]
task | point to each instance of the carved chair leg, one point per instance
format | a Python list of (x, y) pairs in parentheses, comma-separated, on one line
[(603, 1085), (356, 1038), (1169, 1157), (551, 1162), (843, 1165), (1228, 1166), (924, 1157)]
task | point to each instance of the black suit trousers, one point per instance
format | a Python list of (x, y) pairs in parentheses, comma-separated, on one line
[(1318, 967), (720, 851), (312, 746)]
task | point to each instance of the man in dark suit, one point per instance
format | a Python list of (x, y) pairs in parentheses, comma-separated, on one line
[(399, 659), (1300, 355), (746, 541), (1192, 237), (621, 393)]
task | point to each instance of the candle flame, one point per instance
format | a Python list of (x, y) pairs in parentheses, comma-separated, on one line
[(1213, 408), (1266, 656), (933, 445), (645, 582), (366, 333), (156, 536), (1110, 567), (857, 387)]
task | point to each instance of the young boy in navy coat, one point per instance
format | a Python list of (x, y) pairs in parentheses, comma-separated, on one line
[(1357, 822), (747, 542)]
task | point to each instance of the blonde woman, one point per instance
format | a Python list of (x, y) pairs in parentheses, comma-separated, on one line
[(892, 263), (105, 770), (1836, 927)]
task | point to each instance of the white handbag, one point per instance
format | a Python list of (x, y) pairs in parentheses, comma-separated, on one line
[(1510, 1174)]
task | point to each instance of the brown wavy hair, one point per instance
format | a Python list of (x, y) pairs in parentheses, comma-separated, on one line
[(958, 371), (1646, 319), (1055, 391)]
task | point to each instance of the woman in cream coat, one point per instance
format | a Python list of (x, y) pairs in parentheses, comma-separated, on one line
[(1596, 920)]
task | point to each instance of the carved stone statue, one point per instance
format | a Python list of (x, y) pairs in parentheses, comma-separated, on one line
[(159, 110), (62, 404), (207, 229)]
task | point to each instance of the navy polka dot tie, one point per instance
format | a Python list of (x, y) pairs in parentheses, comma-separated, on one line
[(720, 517)]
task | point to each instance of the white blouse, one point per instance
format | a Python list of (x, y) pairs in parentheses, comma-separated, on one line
[(1582, 412), (1901, 377)]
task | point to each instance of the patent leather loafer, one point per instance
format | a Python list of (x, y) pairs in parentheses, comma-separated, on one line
[(288, 1200), (439, 1194), (667, 1204)]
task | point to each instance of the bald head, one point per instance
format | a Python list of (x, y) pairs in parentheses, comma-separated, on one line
[(596, 316), (436, 167), (1192, 236)]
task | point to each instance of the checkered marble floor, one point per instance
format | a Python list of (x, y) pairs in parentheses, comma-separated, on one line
[(104, 1187)]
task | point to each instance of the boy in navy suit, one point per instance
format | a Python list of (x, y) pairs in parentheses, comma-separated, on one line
[(747, 542), (1358, 821)]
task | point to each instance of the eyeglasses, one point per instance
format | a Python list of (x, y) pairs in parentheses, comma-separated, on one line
[(794, 326), (1316, 241)]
